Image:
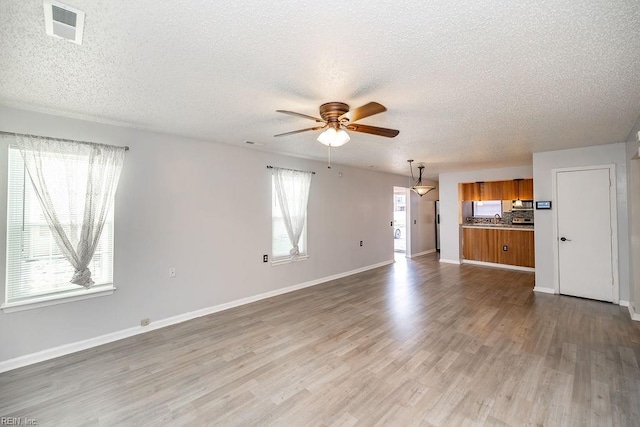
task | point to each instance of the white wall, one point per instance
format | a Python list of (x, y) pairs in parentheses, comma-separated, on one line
[(450, 250), (543, 163), (633, 191), (204, 209)]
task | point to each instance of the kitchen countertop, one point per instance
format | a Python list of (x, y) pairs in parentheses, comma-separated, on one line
[(525, 227)]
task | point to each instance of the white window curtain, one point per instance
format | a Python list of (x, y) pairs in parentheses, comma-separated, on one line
[(81, 200), (292, 189)]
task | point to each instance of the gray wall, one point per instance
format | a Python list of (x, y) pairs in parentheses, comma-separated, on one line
[(204, 209), (423, 232), (543, 164)]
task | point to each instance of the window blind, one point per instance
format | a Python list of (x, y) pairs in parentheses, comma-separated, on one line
[(35, 266)]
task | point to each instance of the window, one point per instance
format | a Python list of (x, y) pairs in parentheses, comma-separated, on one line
[(295, 187), (487, 209), (37, 271)]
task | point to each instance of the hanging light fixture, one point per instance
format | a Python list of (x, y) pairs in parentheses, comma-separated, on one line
[(480, 191), (333, 137), (518, 202), (417, 185)]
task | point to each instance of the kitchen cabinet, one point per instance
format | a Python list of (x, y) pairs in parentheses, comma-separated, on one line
[(479, 244), (520, 248), (492, 190), (497, 190), (518, 189), (509, 189), (526, 189), (471, 191), (486, 244)]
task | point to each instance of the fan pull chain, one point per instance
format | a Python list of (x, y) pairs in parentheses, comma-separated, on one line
[(329, 165)]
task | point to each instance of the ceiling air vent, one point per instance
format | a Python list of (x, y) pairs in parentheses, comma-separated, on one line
[(63, 21)]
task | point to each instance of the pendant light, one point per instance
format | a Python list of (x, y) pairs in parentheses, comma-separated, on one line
[(481, 190), (417, 185), (518, 202)]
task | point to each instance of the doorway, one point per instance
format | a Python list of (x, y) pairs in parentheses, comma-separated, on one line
[(400, 223), (586, 236)]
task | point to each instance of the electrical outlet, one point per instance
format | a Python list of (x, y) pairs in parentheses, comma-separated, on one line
[(172, 272), (265, 258), (360, 242), (145, 322), (414, 222)]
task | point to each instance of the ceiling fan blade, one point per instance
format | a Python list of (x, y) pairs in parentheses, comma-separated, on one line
[(301, 130), (293, 113), (373, 130), (365, 111)]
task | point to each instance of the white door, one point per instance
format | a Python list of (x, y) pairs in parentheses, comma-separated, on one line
[(585, 233)]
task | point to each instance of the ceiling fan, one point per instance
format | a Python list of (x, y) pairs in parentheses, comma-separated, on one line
[(337, 118)]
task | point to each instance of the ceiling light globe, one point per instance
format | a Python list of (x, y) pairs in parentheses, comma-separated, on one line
[(334, 138), (421, 190)]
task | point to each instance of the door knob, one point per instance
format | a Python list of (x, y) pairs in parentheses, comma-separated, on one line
[(564, 239)]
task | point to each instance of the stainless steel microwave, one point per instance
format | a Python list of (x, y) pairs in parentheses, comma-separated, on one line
[(523, 205)]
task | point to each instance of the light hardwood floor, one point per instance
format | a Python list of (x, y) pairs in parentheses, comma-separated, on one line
[(414, 343)]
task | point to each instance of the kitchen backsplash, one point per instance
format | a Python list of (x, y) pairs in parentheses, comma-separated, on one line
[(507, 218)]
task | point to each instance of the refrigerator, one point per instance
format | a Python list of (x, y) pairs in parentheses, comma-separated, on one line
[(437, 221)]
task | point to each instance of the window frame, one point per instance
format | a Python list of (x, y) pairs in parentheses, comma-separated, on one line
[(53, 297), (474, 208), (287, 259)]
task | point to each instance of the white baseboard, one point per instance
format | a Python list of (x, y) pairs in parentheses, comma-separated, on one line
[(430, 251), (544, 290), (633, 313), (492, 264), (52, 353), (623, 303), (450, 261)]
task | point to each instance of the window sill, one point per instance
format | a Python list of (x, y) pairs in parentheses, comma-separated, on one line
[(98, 291), (288, 260)]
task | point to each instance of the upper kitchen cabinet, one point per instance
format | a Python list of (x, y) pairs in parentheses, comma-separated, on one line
[(492, 191), (513, 189), (471, 191), (518, 189), (526, 189), (509, 189)]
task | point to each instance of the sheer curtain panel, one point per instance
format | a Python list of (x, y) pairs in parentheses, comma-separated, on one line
[(75, 183), (292, 190)]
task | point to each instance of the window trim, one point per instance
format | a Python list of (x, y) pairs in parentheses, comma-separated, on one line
[(288, 259), (473, 209), (54, 298), (62, 298)]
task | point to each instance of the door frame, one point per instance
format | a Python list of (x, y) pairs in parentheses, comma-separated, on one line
[(407, 213), (409, 227), (613, 211)]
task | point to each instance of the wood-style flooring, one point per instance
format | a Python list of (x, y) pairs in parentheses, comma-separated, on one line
[(413, 343)]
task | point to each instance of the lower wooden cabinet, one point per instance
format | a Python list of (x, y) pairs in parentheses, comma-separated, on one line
[(487, 245)]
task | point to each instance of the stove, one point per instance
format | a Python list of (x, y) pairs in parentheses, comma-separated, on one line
[(522, 221)]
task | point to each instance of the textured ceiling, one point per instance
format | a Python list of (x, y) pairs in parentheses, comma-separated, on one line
[(469, 83)]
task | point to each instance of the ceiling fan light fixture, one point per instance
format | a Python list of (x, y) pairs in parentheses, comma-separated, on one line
[(334, 138)]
